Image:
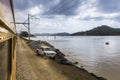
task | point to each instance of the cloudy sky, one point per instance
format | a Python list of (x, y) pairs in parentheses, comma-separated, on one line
[(67, 15)]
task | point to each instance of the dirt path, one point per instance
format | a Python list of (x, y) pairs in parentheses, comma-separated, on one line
[(32, 67), (24, 70)]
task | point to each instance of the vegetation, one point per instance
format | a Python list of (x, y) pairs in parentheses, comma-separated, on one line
[(101, 30), (24, 34)]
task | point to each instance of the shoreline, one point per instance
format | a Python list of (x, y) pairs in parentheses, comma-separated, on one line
[(35, 44)]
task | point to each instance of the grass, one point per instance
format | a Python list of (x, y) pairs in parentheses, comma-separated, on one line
[(78, 79)]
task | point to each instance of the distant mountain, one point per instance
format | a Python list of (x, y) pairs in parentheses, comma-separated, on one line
[(54, 34), (43, 34), (101, 30), (61, 34)]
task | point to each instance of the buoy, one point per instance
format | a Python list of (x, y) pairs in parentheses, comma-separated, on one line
[(107, 43)]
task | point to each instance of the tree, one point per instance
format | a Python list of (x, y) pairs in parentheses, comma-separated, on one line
[(24, 34)]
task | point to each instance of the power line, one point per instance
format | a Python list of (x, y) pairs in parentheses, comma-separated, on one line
[(55, 7), (27, 23), (61, 7), (67, 9)]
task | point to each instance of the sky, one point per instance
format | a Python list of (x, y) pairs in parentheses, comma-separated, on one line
[(54, 16)]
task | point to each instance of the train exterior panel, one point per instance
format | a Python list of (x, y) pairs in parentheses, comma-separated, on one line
[(7, 41)]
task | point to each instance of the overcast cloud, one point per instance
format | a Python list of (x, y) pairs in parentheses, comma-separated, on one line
[(68, 15)]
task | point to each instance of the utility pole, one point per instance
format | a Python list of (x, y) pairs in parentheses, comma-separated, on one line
[(29, 26), (27, 23)]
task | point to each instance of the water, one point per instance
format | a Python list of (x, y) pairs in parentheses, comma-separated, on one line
[(91, 52)]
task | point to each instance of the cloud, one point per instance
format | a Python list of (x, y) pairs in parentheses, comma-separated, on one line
[(68, 15), (51, 7), (36, 10), (65, 7), (109, 6), (21, 5), (87, 9), (90, 10), (69, 25)]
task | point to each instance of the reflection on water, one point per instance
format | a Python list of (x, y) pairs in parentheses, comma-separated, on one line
[(92, 52)]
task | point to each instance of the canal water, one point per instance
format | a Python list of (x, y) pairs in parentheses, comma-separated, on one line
[(91, 52)]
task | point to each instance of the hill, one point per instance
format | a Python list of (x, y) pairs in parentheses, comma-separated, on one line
[(101, 30), (43, 34), (54, 34), (61, 34)]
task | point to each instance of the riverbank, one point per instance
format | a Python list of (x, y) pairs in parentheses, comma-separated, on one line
[(34, 46)]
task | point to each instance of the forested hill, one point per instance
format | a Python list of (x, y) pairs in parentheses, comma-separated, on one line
[(101, 30)]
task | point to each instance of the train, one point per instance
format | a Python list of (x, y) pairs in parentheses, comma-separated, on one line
[(7, 41)]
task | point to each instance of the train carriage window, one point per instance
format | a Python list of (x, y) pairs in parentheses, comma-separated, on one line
[(3, 60)]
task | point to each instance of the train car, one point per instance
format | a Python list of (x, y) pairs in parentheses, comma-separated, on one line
[(7, 40)]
